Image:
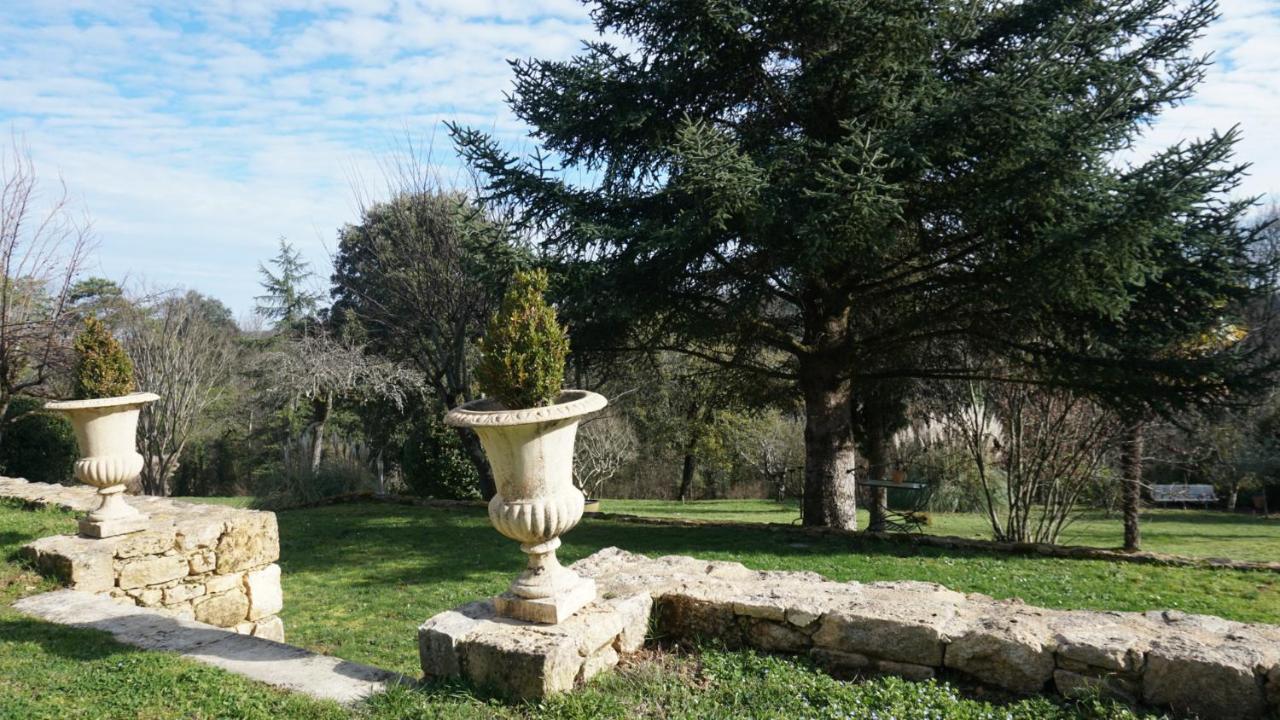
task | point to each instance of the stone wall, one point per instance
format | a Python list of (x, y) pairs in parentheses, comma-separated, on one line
[(211, 563), (1197, 664)]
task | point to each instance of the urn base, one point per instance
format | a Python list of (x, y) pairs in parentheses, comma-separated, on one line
[(113, 516), (547, 610)]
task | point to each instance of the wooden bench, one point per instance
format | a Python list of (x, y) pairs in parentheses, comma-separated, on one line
[(1196, 494)]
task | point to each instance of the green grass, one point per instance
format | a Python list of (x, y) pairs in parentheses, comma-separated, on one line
[(1194, 533), (54, 672), (358, 580)]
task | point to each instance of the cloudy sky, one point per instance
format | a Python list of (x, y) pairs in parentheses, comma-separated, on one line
[(197, 133)]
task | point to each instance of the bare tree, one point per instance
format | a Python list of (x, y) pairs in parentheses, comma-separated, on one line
[(43, 243), (182, 351), (1051, 448), (606, 444), (771, 443), (322, 371)]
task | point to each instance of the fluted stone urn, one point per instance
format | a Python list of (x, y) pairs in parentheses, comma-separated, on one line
[(531, 453), (106, 432)]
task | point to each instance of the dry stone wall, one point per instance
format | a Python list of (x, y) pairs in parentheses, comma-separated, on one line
[(210, 563), (1206, 666)]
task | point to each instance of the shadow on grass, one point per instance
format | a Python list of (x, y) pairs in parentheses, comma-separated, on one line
[(430, 546), (65, 642)]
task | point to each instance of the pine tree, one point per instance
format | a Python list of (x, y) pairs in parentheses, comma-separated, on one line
[(799, 188), (286, 300)]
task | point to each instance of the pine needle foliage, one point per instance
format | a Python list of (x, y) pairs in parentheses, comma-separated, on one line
[(103, 369), (523, 352)]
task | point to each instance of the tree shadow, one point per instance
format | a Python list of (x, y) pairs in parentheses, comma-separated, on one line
[(423, 546)]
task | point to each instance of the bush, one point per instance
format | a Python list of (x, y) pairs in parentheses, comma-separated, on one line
[(103, 369), (40, 447), (434, 465), (524, 349)]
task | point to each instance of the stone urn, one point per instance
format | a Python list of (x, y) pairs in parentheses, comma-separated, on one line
[(106, 432), (531, 453)]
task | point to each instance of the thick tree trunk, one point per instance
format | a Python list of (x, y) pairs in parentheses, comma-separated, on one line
[(475, 452), (829, 454), (1131, 472), (877, 462)]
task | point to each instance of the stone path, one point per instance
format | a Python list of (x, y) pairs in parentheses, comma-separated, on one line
[(283, 666)]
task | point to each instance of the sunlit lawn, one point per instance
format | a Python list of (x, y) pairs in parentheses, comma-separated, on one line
[(360, 578), (1196, 533)]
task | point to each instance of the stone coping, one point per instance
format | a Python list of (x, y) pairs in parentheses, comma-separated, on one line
[(1188, 663), (276, 664)]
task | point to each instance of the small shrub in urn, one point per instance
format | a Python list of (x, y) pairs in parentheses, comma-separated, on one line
[(527, 424), (104, 415)]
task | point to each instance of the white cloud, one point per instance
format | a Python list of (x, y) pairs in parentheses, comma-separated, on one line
[(200, 132)]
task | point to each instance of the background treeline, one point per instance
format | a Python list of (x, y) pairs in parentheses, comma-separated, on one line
[(322, 393)]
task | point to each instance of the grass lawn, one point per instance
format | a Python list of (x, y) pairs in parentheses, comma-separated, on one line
[(358, 580), (1194, 533)]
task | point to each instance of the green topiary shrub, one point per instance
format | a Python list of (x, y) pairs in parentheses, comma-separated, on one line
[(523, 351), (102, 368)]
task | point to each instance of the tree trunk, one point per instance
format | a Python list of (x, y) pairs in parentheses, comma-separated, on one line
[(829, 454), (686, 474), (475, 452), (877, 462), (1131, 472), (322, 409), (1233, 496)]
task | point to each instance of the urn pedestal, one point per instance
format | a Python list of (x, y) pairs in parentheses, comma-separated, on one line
[(106, 433), (531, 453)]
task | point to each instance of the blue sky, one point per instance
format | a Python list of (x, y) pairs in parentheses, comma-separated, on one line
[(198, 133)]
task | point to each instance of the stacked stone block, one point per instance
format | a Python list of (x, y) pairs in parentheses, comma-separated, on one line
[(210, 563)]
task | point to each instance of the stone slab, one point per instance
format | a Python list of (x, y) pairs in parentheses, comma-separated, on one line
[(531, 660), (112, 528), (549, 610), (276, 664)]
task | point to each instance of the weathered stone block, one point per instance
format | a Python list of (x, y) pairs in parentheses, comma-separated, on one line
[(270, 628), (147, 597), (900, 637), (222, 583), (82, 563), (842, 665), (606, 658), (249, 540), (1009, 651), (150, 542), (202, 561), (777, 637), (265, 596), (153, 570), (1196, 678), (918, 673), (225, 610), (183, 593)]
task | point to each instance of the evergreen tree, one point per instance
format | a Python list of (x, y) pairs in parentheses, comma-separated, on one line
[(796, 188), (286, 301)]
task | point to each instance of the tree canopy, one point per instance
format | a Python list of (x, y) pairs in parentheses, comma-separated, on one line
[(799, 188)]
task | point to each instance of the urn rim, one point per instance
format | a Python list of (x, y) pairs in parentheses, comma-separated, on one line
[(489, 412), (137, 398)]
